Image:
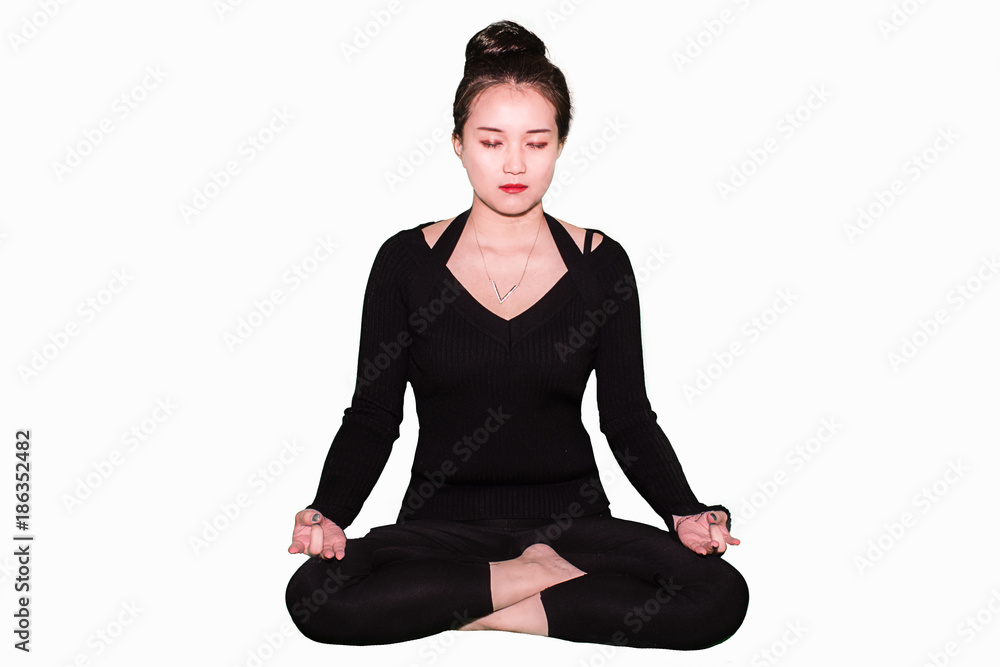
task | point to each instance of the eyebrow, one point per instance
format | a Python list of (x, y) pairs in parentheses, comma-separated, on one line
[(496, 129)]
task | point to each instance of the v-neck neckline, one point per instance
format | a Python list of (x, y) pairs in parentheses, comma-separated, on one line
[(506, 331)]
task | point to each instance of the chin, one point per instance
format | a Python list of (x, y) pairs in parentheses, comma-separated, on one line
[(510, 207)]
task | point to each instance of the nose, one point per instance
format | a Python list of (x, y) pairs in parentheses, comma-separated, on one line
[(514, 161)]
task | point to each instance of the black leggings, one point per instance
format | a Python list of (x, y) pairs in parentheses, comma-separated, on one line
[(643, 588)]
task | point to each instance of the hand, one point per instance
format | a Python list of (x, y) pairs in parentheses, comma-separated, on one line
[(704, 533), (315, 535)]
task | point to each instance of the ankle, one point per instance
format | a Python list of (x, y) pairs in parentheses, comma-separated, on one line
[(526, 616)]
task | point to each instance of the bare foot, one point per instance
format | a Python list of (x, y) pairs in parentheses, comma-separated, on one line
[(558, 568), (537, 568)]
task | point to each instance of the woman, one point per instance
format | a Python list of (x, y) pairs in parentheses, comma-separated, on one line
[(504, 524)]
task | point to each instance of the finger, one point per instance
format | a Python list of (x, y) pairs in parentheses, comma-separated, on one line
[(334, 548), (334, 541), (340, 545), (307, 516), (696, 546), (692, 535), (315, 540), (727, 536), (297, 545), (300, 541), (716, 538)]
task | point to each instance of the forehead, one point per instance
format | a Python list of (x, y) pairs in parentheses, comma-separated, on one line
[(506, 107)]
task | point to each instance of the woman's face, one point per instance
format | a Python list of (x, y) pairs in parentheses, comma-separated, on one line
[(509, 138)]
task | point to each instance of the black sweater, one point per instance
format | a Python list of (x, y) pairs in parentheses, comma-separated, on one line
[(498, 402)]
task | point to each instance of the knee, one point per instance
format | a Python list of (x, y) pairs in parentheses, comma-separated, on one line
[(729, 598), (312, 602)]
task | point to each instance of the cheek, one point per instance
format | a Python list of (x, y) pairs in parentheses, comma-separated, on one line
[(475, 168), (479, 161), (545, 166)]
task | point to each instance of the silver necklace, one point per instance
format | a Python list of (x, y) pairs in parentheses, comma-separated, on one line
[(501, 298)]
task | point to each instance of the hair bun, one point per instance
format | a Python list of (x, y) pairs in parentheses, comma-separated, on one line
[(501, 39), (505, 53)]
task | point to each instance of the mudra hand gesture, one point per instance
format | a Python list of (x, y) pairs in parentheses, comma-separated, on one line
[(704, 533), (315, 535)]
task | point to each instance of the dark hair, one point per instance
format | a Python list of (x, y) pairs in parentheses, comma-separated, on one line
[(505, 52)]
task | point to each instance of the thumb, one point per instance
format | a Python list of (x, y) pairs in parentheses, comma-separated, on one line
[(309, 516)]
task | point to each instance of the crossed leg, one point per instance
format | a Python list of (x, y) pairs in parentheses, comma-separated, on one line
[(638, 586), (606, 580), (516, 585)]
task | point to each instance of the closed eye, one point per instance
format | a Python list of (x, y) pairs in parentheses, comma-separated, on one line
[(497, 143)]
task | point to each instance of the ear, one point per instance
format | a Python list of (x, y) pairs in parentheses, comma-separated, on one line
[(561, 145), (456, 142)]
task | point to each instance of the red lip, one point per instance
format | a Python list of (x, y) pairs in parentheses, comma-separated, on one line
[(513, 187)]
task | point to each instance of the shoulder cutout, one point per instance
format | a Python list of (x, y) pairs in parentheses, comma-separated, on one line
[(433, 231), (579, 235)]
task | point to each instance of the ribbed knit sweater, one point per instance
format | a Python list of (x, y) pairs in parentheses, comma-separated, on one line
[(499, 401)]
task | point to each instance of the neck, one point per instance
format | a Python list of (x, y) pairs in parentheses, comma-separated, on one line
[(498, 230)]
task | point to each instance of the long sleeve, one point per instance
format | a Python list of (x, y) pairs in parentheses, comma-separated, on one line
[(370, 425), (626, 417)]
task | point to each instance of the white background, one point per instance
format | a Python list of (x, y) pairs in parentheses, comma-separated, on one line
[(819, 548)]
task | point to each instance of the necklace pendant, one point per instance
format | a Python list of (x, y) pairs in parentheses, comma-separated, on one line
[(498, 291)]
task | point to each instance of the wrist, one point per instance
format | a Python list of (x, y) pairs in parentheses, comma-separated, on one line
[(678, 520)]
